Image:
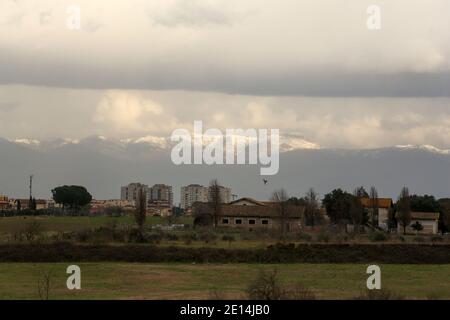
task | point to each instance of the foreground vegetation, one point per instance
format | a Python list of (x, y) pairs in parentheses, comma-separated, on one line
[(216, 281), (178, 232)]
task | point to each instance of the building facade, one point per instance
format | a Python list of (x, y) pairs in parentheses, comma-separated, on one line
[(250, 214), (191, 194), (160, 195), (4, 202), (224, 193), (428, 220), (130, 192), (384, 205)]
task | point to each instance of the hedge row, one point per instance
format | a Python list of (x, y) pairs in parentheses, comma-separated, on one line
[(303, 253)]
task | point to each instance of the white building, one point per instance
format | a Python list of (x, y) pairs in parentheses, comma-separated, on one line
[(428, 220), (130, 192), (193, 193)]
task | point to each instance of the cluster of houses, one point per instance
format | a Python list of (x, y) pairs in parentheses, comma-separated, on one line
[(7, 204), (252, 214), (241, 213)]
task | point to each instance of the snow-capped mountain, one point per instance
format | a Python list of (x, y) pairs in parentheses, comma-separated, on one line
[(103, 165)]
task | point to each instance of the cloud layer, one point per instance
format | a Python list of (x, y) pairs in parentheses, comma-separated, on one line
[(287, 47), (46, 113)]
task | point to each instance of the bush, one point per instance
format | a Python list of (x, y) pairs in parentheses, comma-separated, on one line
[(208, 237), (172, 237), (155, 237), (267, 286), (419, 239), (304, 236), (323, 237), (228, 237), (135, 236), (192, 236), (437, 238), (32, 231), (378, 236), (383, 294)]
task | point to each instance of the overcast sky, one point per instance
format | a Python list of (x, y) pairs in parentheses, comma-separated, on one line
[(309, 68)]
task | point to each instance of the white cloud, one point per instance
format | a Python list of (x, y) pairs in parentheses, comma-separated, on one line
[(252, 47)]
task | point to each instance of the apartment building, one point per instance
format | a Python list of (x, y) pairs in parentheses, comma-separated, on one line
[(160, 195), (191, 194), (130, 192)]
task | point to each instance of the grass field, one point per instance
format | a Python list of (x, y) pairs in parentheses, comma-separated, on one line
[(190, 281), (77, 223)]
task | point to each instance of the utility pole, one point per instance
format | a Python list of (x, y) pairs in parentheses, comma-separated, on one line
[(31, 187)]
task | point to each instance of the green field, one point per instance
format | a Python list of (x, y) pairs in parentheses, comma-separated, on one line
[(190, 281), (77, 223)]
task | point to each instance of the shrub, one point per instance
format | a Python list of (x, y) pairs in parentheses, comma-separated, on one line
[(378, 236), (298, 292), (383, 294), (419, 239), (208, 237), (83, 235), (323, 237), (228, 237), (304, 236), (155, 237), (32, 231), (437, 238), (215, 294), (192, 236), (172, 237), (267, 286), (135, 236)]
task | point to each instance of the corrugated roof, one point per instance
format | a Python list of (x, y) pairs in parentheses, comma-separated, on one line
[(256, 202), (382, 202), (423, 215), (231, 210)]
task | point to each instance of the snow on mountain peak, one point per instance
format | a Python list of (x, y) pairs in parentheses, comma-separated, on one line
[(426, 147)]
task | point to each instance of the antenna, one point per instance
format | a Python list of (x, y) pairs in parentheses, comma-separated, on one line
[(31, 186)]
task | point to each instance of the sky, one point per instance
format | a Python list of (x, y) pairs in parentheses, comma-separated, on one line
[(312, 69)]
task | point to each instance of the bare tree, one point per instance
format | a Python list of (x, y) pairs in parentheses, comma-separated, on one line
[(141, 208), (279, 199), (215, 201), (312, 210), (44, 284), (374, 206), (32, 231), (404, 209)]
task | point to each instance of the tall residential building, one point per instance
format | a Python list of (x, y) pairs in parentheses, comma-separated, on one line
[(224, 192), (193, 193), (130, 192), (160, 195)]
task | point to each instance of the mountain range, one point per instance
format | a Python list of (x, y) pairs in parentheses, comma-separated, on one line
[(103, 165)]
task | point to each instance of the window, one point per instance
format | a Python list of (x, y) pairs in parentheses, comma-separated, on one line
[(251, 221), (225, 221), (265, 221), (238, 221)]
